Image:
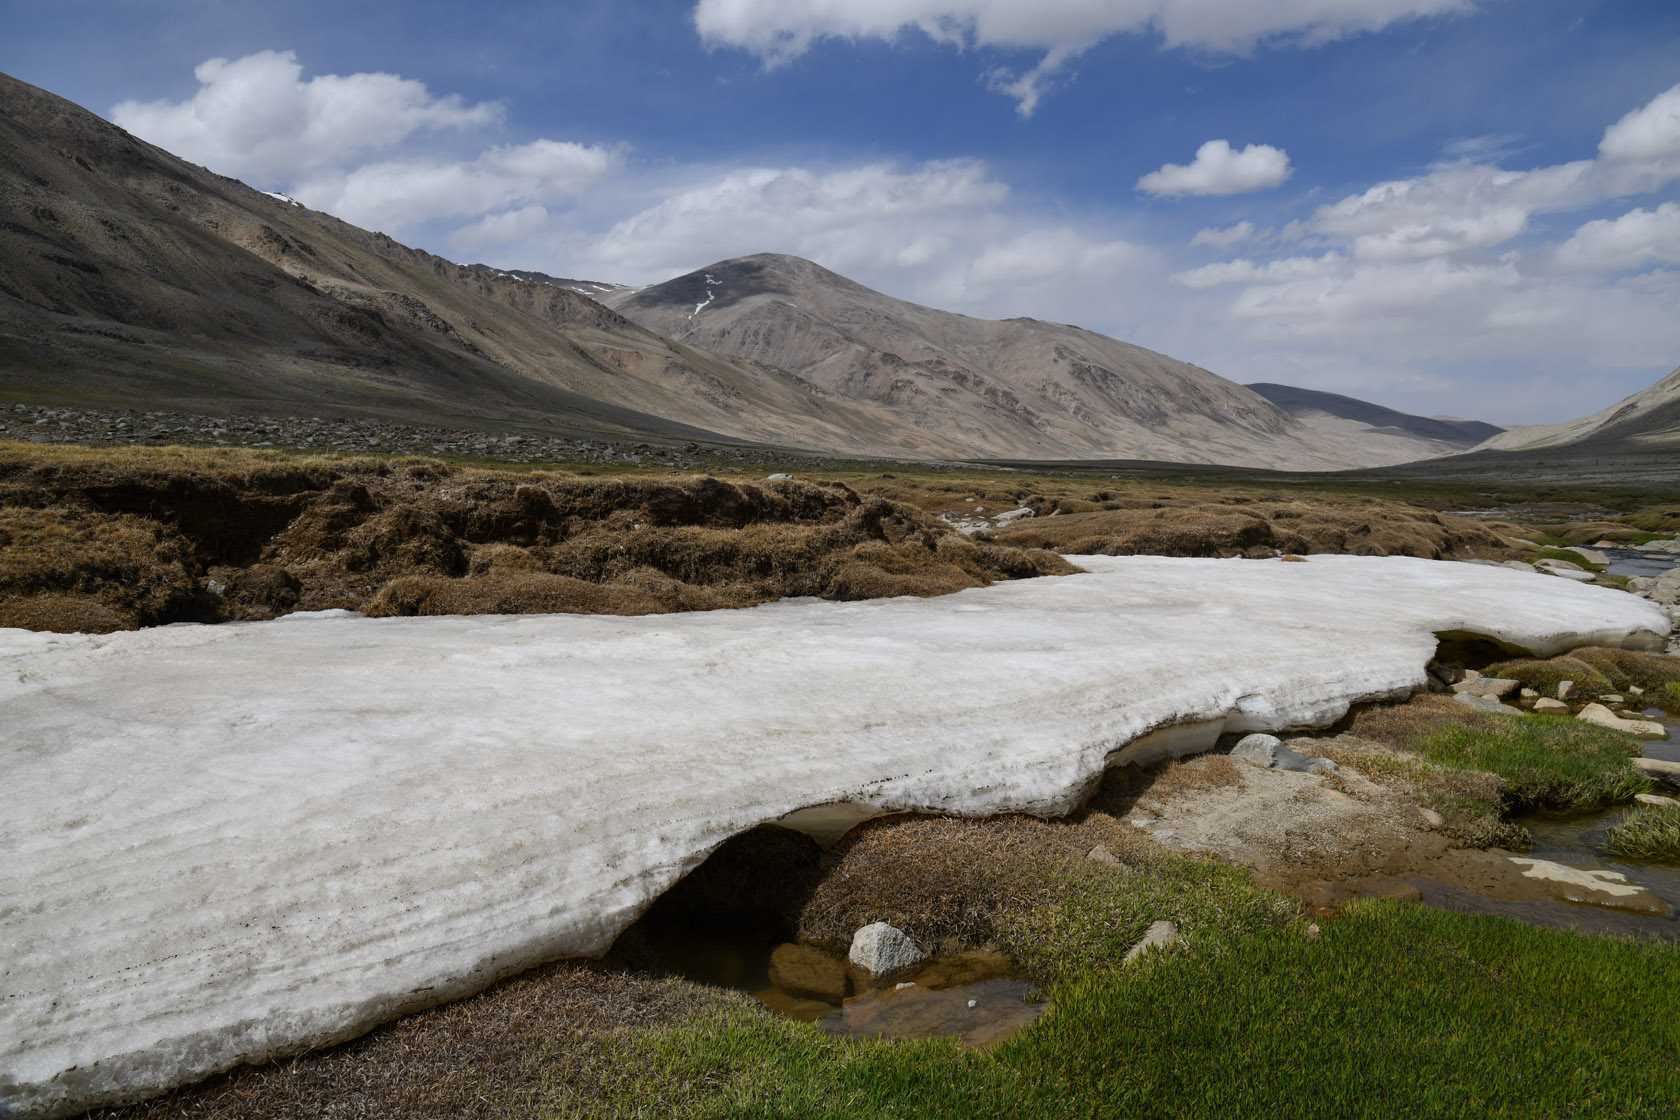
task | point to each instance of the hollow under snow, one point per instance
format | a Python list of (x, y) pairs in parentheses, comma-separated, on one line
[(224, 843)]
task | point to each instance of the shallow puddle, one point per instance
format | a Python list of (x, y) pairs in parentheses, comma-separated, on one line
[(976, 1014)]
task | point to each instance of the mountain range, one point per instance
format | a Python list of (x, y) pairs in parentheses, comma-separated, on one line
[(131, 278)]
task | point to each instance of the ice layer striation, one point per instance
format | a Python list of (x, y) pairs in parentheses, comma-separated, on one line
[(220, 844)]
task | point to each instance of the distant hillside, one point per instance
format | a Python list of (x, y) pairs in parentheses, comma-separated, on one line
[(1650, 417), (129, 277), (1016, 388), (1411, 437)]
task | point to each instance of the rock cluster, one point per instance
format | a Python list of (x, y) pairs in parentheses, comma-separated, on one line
[(1501, 694)]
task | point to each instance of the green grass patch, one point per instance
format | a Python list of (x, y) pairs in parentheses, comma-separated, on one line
[(1648, 832), (1548, 762), (1566, 556), (1545, 676), (1394, 1010)]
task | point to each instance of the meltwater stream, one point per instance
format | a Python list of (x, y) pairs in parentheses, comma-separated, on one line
[(1577, 840)]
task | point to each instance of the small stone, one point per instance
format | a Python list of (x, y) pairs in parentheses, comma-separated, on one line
[(1566, 690), (882, 954), (1529, 694), (1656, 799), (973, 1003), (1494, 688), (1100, 854), (777, 477), (1432, 818), (1312, 931), (1159, 936), (1483, 704), (1612, 698), (1546, 705)]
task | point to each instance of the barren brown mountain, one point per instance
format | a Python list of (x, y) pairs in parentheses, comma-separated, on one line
[(1014, 388), (129, 277)]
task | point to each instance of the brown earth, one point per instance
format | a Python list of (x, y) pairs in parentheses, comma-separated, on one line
[(99, 541), (1154, 519)]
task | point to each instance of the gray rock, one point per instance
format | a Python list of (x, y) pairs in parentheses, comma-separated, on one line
[(882, 954), (1432, 818), (1565, 570), (1268, 751), (1446, 672), (1159, 936), (1566, 690), (1014, 515), (777, 477), (1656, 799), (1658, 768), (1101, 854), (1494, 688), (1483, 704), (1638, 728), (1547, 706)]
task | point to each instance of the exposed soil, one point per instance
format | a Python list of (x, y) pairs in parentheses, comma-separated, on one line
[(1322, 839), (107, 540)]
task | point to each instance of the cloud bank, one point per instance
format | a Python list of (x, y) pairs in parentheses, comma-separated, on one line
[(779, 31)]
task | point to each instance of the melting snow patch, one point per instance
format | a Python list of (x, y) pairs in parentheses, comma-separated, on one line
[(226, 843)]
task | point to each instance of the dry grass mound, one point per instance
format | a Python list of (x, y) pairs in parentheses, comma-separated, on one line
[(1241, 525), (1597, 671), (540, 1044), (105, 540)]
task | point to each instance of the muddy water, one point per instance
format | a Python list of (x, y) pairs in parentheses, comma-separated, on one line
[(977, 1014), (972, 997)]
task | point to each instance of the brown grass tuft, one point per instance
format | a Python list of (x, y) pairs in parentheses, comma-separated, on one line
[(120, 539)]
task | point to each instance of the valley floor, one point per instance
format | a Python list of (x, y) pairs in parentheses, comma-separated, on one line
[(1293, 992)]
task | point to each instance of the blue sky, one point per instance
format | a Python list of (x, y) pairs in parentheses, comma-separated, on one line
[(1465, 207)]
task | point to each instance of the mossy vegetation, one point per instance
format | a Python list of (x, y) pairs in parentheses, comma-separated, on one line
[(1547, 762), (1647, 832), (1598, 671), (1479, 769), (1431, 1013), (1566, 556)]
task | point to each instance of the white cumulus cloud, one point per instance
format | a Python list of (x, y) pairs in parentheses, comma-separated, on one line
[(1223, 238), (1634, 240), (869, 216), (257, 118), (1219, 169), (400, 194), (781, 30)]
